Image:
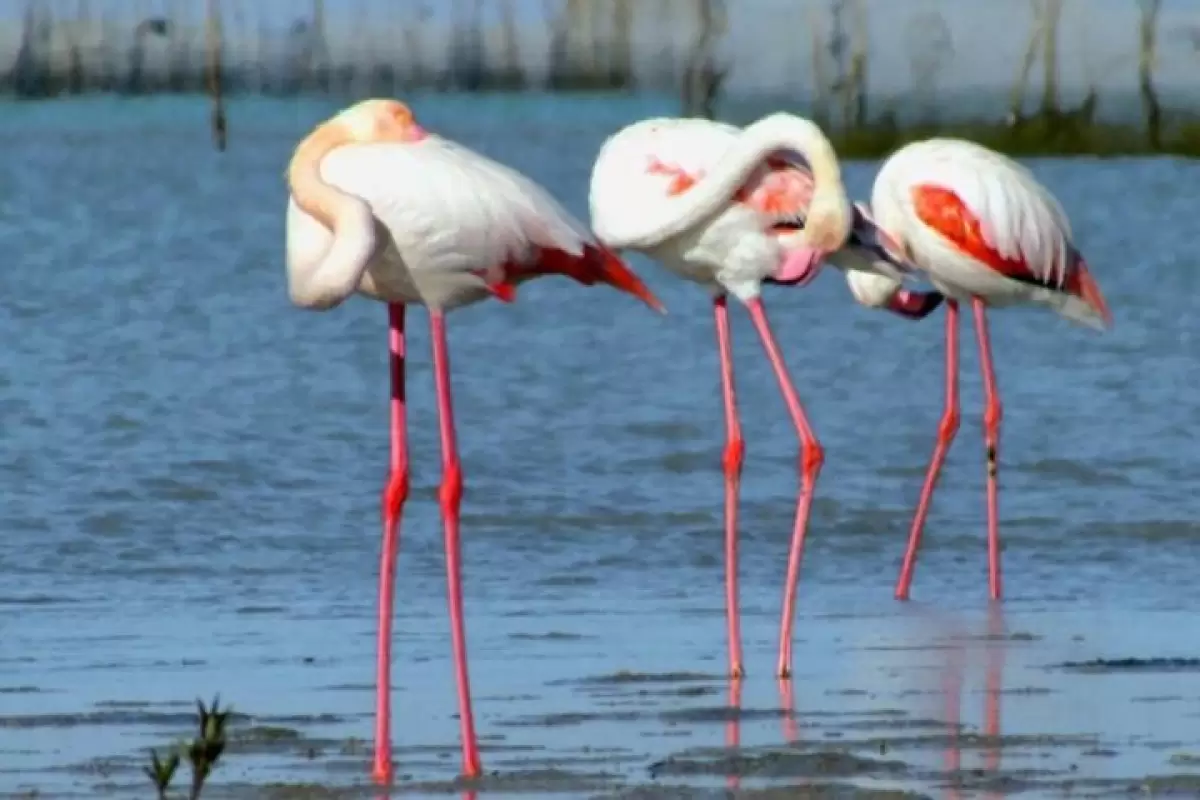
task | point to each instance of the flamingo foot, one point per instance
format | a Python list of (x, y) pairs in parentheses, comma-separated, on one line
[(381, 772)]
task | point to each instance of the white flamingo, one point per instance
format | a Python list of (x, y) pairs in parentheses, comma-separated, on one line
[(984, 231), (732, 209), (382, 208)]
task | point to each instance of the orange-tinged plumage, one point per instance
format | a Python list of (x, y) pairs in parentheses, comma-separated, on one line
[(943, 211), (780, 189)]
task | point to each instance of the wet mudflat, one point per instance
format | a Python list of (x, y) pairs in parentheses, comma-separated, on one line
[(908, 705)]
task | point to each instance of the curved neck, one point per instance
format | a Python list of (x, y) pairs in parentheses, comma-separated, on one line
[(323, 278), (317, 198), (714, 192)]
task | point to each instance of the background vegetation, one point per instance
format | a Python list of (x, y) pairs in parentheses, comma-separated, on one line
[(222, 47)]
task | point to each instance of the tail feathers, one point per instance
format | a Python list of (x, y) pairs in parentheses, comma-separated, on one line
[(597, 264), (1081, 300)]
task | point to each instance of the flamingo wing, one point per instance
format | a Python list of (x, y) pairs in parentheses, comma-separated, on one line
[(448, 208), (989, 208), (643, 165)]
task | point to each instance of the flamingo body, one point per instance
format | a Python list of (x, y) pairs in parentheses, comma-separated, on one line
[(731, 209), (380, 207), (729, 249), (984, 231), (441, 226), (444, 216), (753, 234), (979, 225)]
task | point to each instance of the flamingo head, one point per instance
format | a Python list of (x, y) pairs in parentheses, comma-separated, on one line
[(869, 241), (876, 265), (823, 229), (380, 120)]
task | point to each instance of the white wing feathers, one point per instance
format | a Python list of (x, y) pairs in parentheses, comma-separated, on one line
[(1018, 218), (448, 208), (624, 190)]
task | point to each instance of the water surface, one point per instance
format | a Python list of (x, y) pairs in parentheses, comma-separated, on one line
[(191, 472)]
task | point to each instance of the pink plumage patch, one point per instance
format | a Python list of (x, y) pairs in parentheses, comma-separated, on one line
[(783, 189), (681, 181), (780, 189), (596, 264), (943, 211)]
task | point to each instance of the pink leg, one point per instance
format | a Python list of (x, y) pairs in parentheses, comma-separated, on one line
[(811, 459), (394, 495), (991, 435), (946, 430), (732, 462), (450, 497)]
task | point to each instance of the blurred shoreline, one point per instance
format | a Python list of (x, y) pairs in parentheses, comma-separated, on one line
[(1054, 137), (680, 48)]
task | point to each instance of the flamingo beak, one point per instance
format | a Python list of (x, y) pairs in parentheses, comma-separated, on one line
[(798, 267), (879, 245), (914, 305)]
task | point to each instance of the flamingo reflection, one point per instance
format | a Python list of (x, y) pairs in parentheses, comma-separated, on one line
[(995, 645), (787, 705), (733, 730), (733, 723)]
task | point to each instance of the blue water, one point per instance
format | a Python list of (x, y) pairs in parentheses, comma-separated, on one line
[(191, 467)]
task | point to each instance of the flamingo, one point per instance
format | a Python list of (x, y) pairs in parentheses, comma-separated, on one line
[(380, 207), (984, 231), (732, 209)]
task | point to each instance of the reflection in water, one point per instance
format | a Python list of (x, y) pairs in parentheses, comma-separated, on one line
[(733, 725), (997, 650), (995, 644), (733, 729), (957, 645), (385, 793), (952, 680), (787, 704)]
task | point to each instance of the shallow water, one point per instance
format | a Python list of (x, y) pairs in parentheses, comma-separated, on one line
[(191, 473)]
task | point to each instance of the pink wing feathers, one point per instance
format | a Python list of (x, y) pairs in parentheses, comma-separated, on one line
[(992, 210), (943, 211)]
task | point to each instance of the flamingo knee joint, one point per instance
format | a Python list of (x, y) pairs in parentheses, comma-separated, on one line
[(451, 491), (992, 416), (812, 458), (735, 452), (395, 493), (949, 425)]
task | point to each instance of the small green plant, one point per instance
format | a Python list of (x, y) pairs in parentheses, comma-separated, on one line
[(202, 752)]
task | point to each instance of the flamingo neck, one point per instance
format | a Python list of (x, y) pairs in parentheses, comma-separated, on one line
[(312, 193), (829, 220)]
